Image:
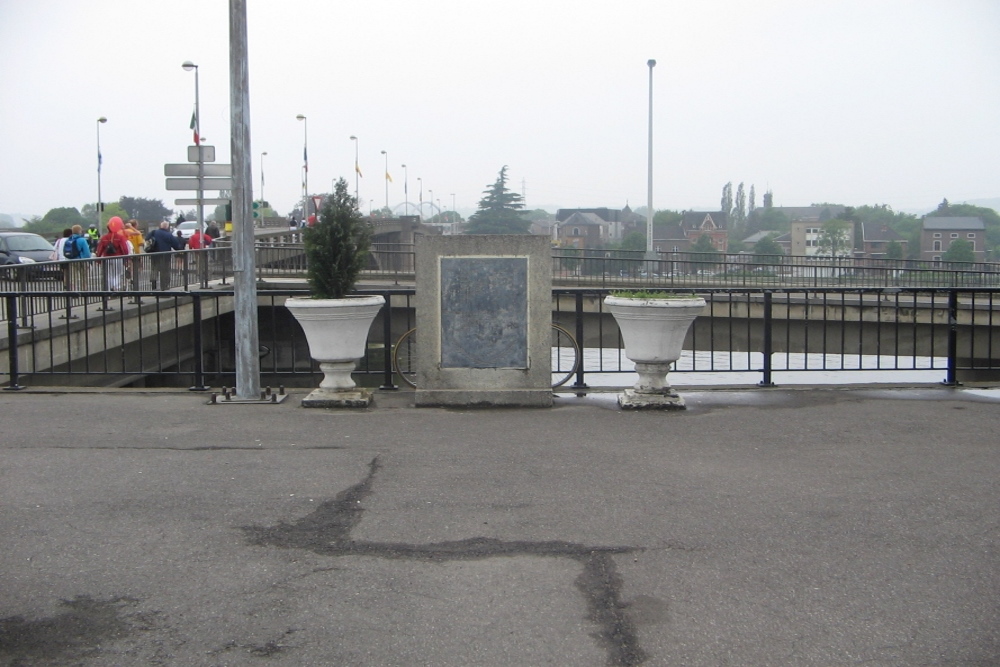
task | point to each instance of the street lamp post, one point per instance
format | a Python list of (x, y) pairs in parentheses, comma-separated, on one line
[(386, 178), (357, 172), (420, 207), (188, 66), (305, 168), (649, 183), (406, 194), (100, 160), (431, 201), (454, 212), (262, 184)]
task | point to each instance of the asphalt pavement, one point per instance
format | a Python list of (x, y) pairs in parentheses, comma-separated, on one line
[(759, 527)]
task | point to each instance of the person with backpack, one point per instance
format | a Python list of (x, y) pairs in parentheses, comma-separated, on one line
[(76, 247), (160, 242), (114, 244)]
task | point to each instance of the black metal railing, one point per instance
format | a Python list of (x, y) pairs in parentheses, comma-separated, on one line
[(745, 336)]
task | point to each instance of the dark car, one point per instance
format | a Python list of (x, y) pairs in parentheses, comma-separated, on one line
[(28, 248)]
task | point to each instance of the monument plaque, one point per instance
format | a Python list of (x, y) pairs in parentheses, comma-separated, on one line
[(484, 312)]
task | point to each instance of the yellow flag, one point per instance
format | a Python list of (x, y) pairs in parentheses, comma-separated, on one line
[(357, 168), (388, 177)]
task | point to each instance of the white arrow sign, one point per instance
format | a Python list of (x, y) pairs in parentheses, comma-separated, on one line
[(206, 184), (192, 170), (204, 202)]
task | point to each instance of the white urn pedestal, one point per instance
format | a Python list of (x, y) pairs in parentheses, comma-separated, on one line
[(653, 331), (336, 330)]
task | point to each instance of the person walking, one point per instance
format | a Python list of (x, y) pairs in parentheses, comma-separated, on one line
[(114, 244), (77, 247), (163, 242), (59, 255), (200, 241), (133, 265)]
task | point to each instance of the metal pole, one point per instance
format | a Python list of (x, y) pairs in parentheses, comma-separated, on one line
[(262, 184), (649, 183), (386, 177), (245, 287), (406, 193), (305, 168), (100, 160), (357, 171)]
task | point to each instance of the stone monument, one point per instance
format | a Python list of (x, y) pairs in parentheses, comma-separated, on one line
[(484, 314)]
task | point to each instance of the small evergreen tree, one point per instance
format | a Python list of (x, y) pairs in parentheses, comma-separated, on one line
[(499, 211), (960, 250), (336, 246)]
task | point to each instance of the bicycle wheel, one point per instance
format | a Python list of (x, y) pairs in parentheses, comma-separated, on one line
[(404, 357), (565, 356)]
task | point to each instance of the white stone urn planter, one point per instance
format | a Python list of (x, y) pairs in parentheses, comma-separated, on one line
[(653, 330), (336, 330)]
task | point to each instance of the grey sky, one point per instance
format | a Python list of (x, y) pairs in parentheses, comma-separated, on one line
[(855, 102)]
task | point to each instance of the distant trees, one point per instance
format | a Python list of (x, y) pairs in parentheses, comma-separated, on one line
[(56, 220), (835, 238), (704, 244), (145, 210), (499, 210), (767, 250), (960, 250)]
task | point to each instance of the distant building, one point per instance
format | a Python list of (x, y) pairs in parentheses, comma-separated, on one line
[(806, 238), (938, 234), (876, 238), (614, 224)]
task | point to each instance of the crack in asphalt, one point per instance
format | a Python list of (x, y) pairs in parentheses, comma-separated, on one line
[(327, 532)]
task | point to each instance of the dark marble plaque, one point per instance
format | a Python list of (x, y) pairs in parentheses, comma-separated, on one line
[(484, 312)]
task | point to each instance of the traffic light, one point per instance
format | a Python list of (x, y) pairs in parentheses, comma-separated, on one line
[(256, 209)]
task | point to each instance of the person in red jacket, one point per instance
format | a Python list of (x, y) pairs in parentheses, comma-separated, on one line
[(114, 244)]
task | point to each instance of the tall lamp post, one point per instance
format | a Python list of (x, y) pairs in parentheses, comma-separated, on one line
[(420, 207), (188, 66), (454, 212), (357, 171), (100, 160), (305, 168), (431, 201), (649, 183), (262, 155), (386, 178), (406, 194)]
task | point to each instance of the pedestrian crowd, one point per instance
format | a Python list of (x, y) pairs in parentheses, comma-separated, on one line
[(121, 240)]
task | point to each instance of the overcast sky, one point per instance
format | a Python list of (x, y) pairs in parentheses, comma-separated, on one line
[(850, 101)]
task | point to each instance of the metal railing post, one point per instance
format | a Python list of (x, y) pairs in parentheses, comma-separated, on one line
[(951, 380), (578, 305), (199, 346), (12, 350), (768, 342), (387, 382)]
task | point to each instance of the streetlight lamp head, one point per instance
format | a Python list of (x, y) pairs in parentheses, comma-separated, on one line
[(300, 117), (404, 166), (383, 153), (102, 119), (353, 138), (188, 65), (651, 63)]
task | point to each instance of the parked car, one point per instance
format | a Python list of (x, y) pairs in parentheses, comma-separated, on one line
[(27, 248), (186, 228)]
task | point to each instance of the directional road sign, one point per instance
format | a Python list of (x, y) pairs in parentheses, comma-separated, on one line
[(207, 153), (192, 170), (206, 184), (204, 202)]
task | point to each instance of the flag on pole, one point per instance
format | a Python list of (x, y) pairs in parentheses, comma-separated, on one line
[(357, 168), (388, 177), (194, 127), (305, 158), (100, 160)]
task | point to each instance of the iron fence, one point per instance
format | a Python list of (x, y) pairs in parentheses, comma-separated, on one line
[(176, 338)]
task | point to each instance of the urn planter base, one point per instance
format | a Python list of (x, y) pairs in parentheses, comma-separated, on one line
[(667, 399), (338, 398)]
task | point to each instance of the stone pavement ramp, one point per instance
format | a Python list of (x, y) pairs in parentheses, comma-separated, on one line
[(757, 528)]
